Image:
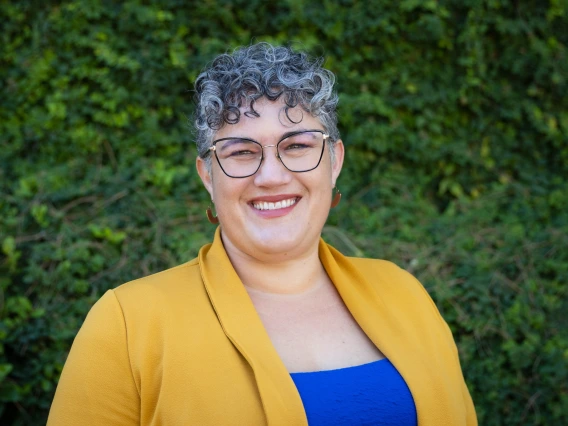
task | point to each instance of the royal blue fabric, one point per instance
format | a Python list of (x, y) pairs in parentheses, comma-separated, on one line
[(368, 394)]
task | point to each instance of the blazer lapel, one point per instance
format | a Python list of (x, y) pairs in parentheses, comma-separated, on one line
[(241, 324), (409, 346)]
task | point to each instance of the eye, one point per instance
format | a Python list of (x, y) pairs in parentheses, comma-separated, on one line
[(296, 145), (301, 143), (237, 149), (241, 152)]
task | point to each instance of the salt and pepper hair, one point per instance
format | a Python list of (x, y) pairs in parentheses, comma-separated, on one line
[(237, 80)]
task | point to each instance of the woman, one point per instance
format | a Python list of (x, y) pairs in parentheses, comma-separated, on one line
[(268, 325)]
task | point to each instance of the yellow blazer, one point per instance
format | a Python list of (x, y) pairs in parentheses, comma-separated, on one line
[(186, 347)]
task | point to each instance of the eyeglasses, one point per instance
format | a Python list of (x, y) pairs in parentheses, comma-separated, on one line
[(298, 152)]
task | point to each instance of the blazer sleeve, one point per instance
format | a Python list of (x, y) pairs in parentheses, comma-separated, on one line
[(97, 386), (471, 416)]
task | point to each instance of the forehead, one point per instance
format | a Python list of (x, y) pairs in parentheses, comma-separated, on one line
[(273, 120)]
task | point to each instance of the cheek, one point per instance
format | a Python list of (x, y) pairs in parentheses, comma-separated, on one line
[(327, 177), (227, 192), (218, 184)]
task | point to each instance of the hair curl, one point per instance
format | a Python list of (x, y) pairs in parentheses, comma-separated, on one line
[(236, 79)]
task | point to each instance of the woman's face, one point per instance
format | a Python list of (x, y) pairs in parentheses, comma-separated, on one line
[(282, 233)]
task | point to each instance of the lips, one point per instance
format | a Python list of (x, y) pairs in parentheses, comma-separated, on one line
[(274, 202), (264, 205)]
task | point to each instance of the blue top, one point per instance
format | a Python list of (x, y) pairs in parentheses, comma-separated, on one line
[(368, 394)]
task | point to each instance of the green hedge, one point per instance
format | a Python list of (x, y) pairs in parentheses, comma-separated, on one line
[(455, 118)]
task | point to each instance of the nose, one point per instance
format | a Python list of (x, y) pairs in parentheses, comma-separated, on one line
[(272, 171)]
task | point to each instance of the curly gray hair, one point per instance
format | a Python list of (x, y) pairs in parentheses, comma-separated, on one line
[(262, 70)]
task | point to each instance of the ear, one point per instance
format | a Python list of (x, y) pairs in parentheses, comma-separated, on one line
[(205, 175), (338, 164)]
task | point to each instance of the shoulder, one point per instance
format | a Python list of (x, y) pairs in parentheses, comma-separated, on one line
[(387, 275), (397, 287), (383, 278), (406, 299), (376, 265), (168, 292), (184, 275), (171, 305)]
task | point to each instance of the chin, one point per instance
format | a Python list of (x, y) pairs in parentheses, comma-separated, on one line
[(278, 242)]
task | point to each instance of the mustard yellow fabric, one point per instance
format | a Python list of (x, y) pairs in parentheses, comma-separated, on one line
[(186, 347)]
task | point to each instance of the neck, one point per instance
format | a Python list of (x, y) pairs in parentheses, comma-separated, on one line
[(278, 275)]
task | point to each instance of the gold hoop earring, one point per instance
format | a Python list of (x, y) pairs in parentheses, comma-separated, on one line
[(214, 220), (336, 198)]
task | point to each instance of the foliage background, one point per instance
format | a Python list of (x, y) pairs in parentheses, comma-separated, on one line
[(455, 118)]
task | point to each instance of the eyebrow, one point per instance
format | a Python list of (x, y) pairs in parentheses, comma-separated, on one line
[(283, 136), (231, 141)]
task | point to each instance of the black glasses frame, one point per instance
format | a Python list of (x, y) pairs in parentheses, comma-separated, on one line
[(325, 138)]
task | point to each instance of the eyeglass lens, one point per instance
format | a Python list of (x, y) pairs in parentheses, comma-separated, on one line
[(299, 152)]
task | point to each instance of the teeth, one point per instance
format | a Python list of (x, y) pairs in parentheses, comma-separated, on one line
[(263, 205)]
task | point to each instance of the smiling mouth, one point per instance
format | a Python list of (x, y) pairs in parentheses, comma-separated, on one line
[(265, 205)]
